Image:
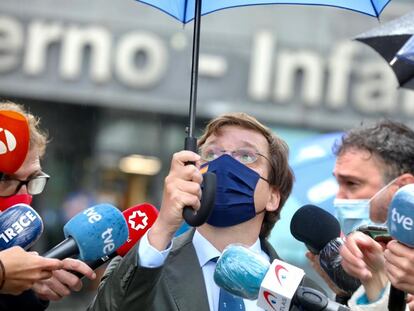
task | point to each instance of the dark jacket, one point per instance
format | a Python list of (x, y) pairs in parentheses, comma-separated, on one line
[(25, 301), (178, 285)]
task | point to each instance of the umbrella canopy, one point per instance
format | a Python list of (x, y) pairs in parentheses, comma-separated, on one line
[(183, 10), (407, 51), (388, 39)]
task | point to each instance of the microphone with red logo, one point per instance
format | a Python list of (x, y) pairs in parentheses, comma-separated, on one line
[(276, 286), (14, 140), (139, 219)]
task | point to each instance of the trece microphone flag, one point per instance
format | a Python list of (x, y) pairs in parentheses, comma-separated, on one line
[(14, 140), (320, 231), (94, 233), (20, 225), (245, 273), (139, 219)]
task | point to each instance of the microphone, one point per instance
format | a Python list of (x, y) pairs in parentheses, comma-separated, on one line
[(20, 225), (96, 232), (320, 231), (139, 219), (245, 273), (315, 227), (400, 226), (14, 140)]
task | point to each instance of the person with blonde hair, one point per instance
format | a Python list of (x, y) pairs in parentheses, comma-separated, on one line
[(38, 280)]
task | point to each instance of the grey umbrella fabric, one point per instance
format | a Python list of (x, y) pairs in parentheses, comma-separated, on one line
[(387, 40)]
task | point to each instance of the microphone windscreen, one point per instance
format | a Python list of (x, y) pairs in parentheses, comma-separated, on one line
[(139, 219), (314, 226), (14, 140), (20, 225), (330, 261), (400, 215), (98, 231), (240, 271)]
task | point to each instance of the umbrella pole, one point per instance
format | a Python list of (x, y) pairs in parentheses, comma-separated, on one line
[(191, 141)]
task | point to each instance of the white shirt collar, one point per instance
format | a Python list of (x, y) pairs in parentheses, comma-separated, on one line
[(206, 251)]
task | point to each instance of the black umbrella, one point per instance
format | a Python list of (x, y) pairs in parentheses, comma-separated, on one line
[(387, 40)]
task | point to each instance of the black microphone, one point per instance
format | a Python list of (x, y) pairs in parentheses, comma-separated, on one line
[(320, 231), (315, 227)]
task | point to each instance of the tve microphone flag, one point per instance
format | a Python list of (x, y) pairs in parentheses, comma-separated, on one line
[(139, 219), (400, 226), (94, 233), (20, 225), (401, 215), (14, 140)]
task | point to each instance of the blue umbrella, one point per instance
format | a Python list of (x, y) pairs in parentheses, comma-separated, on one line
[(185, 11)]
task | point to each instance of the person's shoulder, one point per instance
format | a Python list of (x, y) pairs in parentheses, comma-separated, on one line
[(183, 240)]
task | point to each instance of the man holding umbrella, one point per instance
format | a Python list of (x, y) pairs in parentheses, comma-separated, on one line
[(253, 182)]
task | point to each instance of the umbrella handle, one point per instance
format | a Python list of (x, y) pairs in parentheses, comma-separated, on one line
[(197, 218), (208, 197)]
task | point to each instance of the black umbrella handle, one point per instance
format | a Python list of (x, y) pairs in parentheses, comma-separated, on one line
[(208, 197)]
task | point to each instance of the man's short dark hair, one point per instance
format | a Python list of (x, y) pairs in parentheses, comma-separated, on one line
[(389, 141)]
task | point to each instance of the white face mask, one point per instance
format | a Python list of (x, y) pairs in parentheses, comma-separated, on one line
[(354, 213)]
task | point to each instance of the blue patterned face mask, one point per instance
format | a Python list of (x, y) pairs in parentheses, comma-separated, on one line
[(236, 184)]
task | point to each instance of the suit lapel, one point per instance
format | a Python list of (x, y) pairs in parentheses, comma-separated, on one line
[(184, 277)]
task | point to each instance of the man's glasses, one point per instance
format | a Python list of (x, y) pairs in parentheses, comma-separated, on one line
[(244, 155), (35, 184)]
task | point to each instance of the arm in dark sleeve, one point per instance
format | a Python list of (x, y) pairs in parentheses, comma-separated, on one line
[(125, 284), (25, 301)]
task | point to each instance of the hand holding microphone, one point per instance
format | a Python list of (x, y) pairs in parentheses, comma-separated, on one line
[(320, 231), (20, 269), (93, 233), (244, 273)]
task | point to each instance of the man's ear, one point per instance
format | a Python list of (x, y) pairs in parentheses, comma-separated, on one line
[(274, 200), (405, 179)]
